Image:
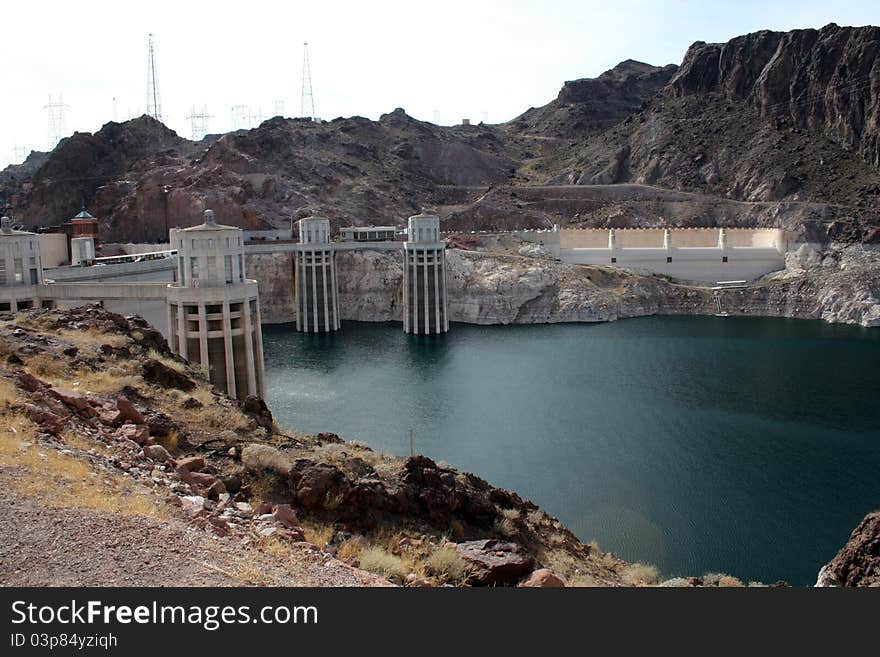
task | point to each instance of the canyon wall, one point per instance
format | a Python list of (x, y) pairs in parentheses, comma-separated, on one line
[(838, 284)]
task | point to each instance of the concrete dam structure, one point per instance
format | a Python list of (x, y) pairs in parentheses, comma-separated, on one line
[(424, 278), (314, 273), (706, 255), (213, 310)]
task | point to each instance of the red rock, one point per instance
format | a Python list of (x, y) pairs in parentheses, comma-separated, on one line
[(74, 400), (190, 463), (215, 490), (285, 515), (157, 453), (48, 421), (201, 479), (219, 525), (29, 382), (127, 411), (543, 578)]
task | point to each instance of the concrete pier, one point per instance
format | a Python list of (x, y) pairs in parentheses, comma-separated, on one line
[(214, 311), (424, 277), (317, 302)]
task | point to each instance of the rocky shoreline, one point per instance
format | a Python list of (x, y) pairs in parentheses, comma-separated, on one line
[(835, 283)]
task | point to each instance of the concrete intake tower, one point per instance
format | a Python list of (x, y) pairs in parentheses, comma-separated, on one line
[(213, 310), (424, 277), (317, 305)]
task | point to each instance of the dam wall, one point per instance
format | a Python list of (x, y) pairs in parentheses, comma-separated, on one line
[(706, 255)]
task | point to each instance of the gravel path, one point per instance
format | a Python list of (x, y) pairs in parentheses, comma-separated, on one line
[(44, 546)]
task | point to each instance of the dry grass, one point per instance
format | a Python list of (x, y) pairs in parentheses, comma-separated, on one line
[(447, 565), (91, 339), (57, 372), (215, 412), (274, 547), (250, 574), (317, 534), (167, 361), (171, 441), (352, 547), (65, 481), (722, 580), (8, 392), (256, 457), (377, 560), (640, 574)]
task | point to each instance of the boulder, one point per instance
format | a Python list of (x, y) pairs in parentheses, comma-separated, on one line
[(858, 562), (190, 463), (157, 453), (48, 421), (137, 433), (543, 578), (318, 484), (193, 504), (127, 412), (155, 371), (495, 563), (286, 516), (256, 408)]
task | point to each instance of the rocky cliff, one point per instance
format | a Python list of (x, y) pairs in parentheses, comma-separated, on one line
[(858, 562), (826, 81), (590, 105), (836, 283)]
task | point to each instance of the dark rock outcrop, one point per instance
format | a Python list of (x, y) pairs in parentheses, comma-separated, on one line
[(826, 81), (589, 105), (495, 563), (157, 372)]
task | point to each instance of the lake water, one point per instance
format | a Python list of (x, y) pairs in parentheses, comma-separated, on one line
[(749, 446)]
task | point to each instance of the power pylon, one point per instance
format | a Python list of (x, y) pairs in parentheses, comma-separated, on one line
[(154, 104), (238, 117), (55, 112), (308, 98), (199, 122)]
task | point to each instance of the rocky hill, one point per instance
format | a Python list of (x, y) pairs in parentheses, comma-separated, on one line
[(125, 451), (771, 128), (590, 105), (780, 118)]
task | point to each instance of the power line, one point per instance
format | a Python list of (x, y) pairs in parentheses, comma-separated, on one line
[(154, 105), (308, 98)]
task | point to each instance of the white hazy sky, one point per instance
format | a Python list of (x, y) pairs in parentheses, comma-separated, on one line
[(441, 60)]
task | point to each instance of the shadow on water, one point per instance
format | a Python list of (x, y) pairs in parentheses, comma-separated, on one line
[(746, 445)]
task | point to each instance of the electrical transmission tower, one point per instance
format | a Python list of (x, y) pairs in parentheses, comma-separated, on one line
[(238, 117), (199, 122), (308, 98), (55, 112), (154, 105), (255, 119)]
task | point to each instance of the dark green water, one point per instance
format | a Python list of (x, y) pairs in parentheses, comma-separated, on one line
[(699, 444)]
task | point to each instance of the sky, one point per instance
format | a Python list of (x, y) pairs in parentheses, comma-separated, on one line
[(440, 61)]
